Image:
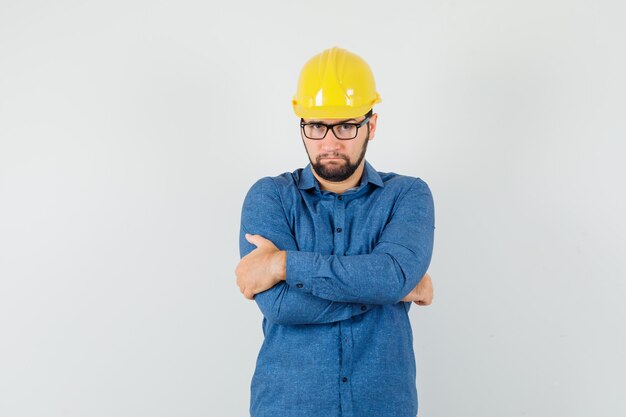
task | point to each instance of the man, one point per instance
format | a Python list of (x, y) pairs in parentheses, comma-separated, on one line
[(334, 254)]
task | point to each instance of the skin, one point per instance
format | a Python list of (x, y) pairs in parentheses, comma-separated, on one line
[(265, 266)]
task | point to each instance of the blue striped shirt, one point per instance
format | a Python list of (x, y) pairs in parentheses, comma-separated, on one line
[(337, 337)]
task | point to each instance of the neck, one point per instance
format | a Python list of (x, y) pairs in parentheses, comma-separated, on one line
[(340, 187)]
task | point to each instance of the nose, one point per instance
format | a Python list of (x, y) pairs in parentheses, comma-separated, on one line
[(330, 144), (331, 140)]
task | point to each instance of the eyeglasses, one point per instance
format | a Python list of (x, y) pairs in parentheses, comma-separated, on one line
[(342, 131)]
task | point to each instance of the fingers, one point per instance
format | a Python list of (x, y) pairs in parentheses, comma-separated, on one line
[(424, 291), (257, 240), (239, 280), (246, 293)]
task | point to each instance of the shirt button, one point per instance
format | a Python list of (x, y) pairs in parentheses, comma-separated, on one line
[(363, 308), (339, 230), (298, 285), (344, 379), (340, 197)]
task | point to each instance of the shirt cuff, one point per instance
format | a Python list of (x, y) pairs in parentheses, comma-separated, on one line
[(300, 274), (299, 270)]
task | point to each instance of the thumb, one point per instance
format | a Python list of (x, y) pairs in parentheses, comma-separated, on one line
[(257, 240)]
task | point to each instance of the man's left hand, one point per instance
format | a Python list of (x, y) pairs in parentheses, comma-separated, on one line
[(422, 294), (262, 268)]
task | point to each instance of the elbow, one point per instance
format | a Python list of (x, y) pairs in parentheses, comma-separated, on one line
[(283, 319), (402, 281), (390, 294), (270, 312), (272, 309), (276, 318)]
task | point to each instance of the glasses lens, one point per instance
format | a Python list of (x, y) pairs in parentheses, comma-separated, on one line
[(345, 131), (314, 130)]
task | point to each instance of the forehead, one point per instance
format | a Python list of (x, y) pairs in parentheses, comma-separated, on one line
[(329, 121)]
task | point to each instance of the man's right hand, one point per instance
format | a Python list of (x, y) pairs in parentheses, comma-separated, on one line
[(422, 294)]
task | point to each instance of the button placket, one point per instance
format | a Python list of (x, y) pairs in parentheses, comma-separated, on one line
[(339, 216), (346, 349), (345, 326)]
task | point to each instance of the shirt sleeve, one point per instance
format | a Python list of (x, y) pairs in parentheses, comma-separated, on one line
[(395, 266), (263, 214)]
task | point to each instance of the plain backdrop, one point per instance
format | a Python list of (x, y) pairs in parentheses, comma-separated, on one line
[(130, 132)]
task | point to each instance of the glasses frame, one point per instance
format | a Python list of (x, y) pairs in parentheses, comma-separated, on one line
[(332, 126)]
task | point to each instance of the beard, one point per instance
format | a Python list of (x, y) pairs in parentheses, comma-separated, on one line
[(337, 171)]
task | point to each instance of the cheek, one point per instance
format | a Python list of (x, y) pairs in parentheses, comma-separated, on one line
[(312, 149), (356, 147)]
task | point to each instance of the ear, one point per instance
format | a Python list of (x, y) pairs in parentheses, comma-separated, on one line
[(372, 123)]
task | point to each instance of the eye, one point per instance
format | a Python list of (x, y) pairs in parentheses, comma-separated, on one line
[(316, 125), (345, 126)]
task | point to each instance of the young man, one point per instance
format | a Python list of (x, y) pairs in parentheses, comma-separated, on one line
[(334, 254)]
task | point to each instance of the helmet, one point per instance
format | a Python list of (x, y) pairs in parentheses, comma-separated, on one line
[(335, 84)]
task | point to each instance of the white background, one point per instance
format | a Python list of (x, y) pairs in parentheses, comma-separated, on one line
[(130, 132)]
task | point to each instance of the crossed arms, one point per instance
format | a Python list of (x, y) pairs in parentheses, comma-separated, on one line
[(317, 288)]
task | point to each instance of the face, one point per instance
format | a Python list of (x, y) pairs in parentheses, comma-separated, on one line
[(336, 160)]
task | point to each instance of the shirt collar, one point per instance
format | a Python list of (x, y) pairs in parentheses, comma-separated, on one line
[(308, 180)]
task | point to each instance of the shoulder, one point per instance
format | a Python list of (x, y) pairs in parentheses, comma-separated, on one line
[(276, 184), (410, 194), (401, 184), (263, 185)]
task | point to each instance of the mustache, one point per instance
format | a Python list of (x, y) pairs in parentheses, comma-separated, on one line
[(331, 156)]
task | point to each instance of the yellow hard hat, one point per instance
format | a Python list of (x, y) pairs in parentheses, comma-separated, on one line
[(335, 84)]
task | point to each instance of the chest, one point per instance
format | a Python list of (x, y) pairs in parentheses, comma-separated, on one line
[(339, 225)]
